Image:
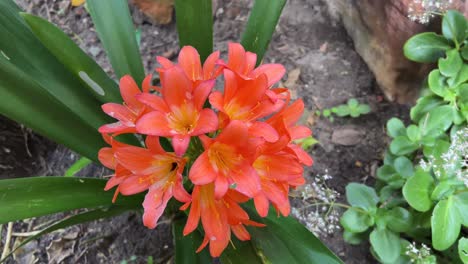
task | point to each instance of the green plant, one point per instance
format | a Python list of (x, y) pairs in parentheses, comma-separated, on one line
[(49, 84), (421, 194), (352, 108)]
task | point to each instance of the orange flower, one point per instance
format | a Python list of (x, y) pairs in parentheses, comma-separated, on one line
[(285, 121), (106, 156), (155, 170), (227, 161), (131, 110), (179, 113), (218, 216), (278, 171), (243, 64), (246, 100), (189, 61)]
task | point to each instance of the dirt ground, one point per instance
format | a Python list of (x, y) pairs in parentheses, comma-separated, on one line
[(324, 70)]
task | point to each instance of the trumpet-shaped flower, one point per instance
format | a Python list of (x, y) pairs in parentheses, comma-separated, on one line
[(189, 61), (227, 161), (218, 216), (179, 113), (285, 123), (154, 170), (131, 110), (243, 64), (246, 100)]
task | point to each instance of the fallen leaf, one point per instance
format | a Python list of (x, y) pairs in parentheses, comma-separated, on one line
[(160, 11)]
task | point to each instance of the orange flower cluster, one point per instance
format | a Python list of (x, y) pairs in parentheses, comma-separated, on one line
[(247, 138)]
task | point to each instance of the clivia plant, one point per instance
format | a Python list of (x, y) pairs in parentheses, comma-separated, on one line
[(213, 159), (418, 210)]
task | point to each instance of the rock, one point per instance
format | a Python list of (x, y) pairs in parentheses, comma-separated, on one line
[(379, 30), (347, 136)]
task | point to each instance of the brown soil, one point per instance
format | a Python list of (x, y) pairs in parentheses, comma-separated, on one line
[(307, 40)]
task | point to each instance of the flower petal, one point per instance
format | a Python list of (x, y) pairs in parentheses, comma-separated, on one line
[(216, 100), (210, 69), (262, 129), (153, 101), (241, 233), (189, 60), (146, 85), (236, 134), (202, 172), (179, 191), (128, 90), (116, 128), (164, 62), (221, 187), (176, 87), (154, 204), (274, 72), (194, 214), (180, 144), (261, 204), (133, 185), (246, 180), (152, 143), (137, 160), (106, 157), (120, 113), (207, 122), (201, 92), (154, 123)]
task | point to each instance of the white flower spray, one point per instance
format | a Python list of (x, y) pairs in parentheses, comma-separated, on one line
[(422, 11)]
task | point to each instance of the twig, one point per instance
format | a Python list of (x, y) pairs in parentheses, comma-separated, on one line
[(6, 247), (26, 234)]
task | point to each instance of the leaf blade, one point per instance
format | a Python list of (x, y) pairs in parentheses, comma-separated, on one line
[(261, 25), (115, 29), (199, 34)]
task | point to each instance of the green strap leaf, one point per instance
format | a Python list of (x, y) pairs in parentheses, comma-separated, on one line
[(69, 54), (282, 240), (115, 29), (24, 51), (185, 246), (24, 100), (77, 166), (31, 197), (195, 25), (74, 220), (261, 25)]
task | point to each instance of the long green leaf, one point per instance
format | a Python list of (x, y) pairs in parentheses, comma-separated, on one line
[(24, 100), (69, 54), (36, 196), (195, 25), (282, 240), (185, 246), (261, 25), (22, 49), (115, 29), (74, 220)]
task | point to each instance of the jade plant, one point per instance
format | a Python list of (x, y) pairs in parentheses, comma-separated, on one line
[(214, 160), (417, 211)]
